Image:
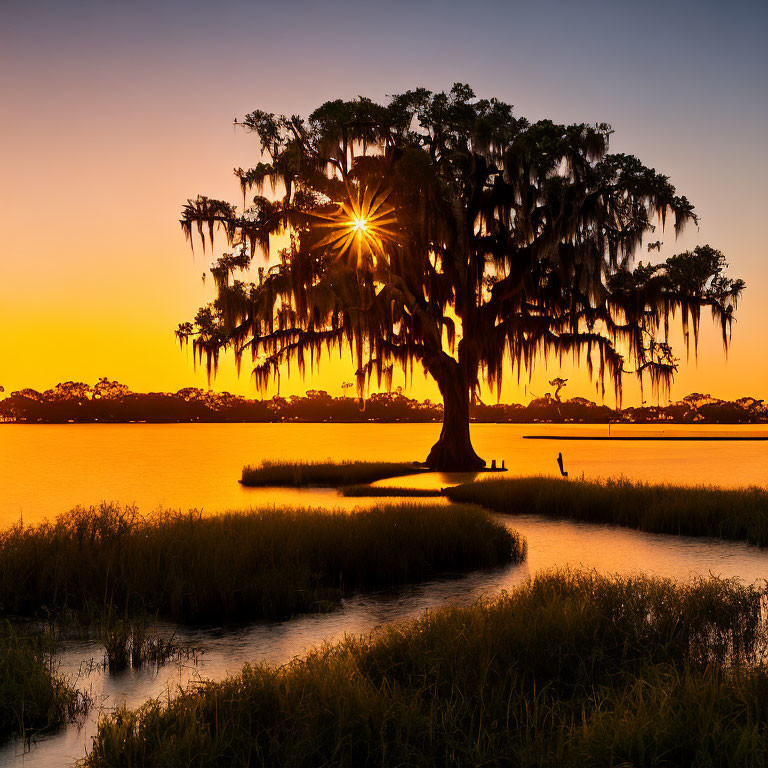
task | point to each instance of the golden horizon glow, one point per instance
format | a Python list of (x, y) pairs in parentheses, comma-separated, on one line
[(95, 274)]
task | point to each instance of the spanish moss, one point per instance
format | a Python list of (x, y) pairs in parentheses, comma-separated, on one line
[(463, 238)]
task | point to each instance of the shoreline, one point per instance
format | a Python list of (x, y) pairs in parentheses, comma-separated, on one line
[(669, 438)]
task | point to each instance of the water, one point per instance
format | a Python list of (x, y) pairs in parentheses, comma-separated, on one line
[(48, 469)]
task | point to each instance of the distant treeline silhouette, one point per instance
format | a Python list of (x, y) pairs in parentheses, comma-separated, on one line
[(112, 402)]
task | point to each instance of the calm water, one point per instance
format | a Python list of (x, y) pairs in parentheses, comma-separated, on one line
[(48, 469)]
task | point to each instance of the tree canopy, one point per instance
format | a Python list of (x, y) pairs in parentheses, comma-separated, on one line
[(443, 229)]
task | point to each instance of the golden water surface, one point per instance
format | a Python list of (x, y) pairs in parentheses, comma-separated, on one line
[(48, 469)]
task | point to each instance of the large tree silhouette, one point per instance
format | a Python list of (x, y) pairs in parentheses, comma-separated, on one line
[(441, 230)]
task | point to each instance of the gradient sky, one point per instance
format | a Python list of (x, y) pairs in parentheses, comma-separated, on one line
[(115, 113)]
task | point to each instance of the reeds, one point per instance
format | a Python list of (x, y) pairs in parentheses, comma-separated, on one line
[(691, 511), (382, 491), (130, 642), (239, 565), (327, 474), (33, 696), (572, 669)]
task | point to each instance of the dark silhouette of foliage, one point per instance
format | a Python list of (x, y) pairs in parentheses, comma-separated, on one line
[(558, 383), (461, 237), (114, 402), (254, 564), (569, 669)]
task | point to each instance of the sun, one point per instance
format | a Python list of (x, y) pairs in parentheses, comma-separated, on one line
[(360, 227)]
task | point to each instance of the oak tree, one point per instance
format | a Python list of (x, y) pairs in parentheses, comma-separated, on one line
[(442, 230)]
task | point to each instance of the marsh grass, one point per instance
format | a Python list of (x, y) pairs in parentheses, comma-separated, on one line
[(33, 696), (327, 474), (572, 669), (131, 642), (690, 511), (239, 565), (392, 492)]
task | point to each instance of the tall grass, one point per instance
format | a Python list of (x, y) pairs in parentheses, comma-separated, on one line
[(130, 642), (240, 565), (573, 669), (325, 474), (33, 697), (690, 511)]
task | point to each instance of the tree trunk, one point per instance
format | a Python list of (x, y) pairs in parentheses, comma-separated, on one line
[(453, 451)]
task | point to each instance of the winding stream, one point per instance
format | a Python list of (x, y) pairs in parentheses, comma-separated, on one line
[(47, 470)]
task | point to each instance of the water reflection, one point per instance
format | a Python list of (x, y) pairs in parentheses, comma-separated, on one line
[(226, 649), (48, 469)]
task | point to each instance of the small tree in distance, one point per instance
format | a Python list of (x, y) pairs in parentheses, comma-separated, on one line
[(558, 383), (441, 229)]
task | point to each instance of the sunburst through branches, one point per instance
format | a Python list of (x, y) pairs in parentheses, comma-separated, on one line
[(517, 237), (361, 227)]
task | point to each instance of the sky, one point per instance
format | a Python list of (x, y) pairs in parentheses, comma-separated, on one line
[(115, 113)]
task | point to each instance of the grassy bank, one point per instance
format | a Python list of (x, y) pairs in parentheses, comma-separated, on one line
[(691, 511), (33, 697), (325, 474), (391, 492), (244, 565), (572, 669)]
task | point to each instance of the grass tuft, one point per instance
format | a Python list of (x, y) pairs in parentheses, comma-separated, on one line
[(33, 697), (130, 643), (572, 669), (325, 474), (239, 565), (690, 511)]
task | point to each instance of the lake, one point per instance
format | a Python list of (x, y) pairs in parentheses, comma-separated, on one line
[(46, 470)]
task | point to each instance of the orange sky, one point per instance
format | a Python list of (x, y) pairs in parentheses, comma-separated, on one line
[(114, 117)]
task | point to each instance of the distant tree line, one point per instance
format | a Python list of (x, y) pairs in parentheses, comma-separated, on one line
[(111, 402)]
